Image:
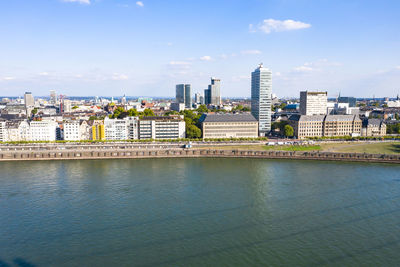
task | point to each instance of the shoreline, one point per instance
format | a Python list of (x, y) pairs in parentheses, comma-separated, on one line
[(173, 152)]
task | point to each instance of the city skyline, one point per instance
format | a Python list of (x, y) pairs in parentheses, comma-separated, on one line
[(129, 47)]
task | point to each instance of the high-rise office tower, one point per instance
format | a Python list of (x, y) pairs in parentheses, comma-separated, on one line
[(184, 94), (207, 99), (313, 103), (53, 97), (261, 98), (66, 106), (123, 100), (29, 100), (197, 97), (215, 94)]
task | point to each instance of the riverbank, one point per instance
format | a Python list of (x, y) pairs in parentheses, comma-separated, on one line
[(157, 151)]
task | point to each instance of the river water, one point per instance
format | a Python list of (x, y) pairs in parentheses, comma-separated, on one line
[(199, 212)]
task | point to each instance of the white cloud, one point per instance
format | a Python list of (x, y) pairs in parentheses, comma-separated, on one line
[(119, 77), (251, 52), (44, 74), (8, 78), (140, 3), (318, 65), (397, 67), (87, 2), (206, 58), (272, 25)]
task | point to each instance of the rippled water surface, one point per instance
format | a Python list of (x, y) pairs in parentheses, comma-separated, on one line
[(199, 212)]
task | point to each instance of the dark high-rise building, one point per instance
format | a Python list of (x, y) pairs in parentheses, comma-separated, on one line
[(350, 100), (184, 94)]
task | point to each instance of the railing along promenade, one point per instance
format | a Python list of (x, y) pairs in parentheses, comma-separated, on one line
[(113, 151)]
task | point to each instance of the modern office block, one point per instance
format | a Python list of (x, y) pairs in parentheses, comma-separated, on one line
[(313, 103), (261, 98)]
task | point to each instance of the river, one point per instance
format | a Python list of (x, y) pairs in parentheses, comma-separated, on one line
[(199, 212)]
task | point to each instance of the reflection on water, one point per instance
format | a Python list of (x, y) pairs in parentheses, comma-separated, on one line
[(185, 212)]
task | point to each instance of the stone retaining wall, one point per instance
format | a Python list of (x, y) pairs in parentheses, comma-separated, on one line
[(191, 153)]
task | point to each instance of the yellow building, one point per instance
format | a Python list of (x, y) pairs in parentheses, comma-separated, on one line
[(97, 132)]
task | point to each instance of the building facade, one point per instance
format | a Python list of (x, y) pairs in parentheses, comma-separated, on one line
[(197, 98), (29, 100), (3, 131), (212, 95), (42, 130), (373, 127), (116, 129), (342, 125), (97, 131), (261, 98), (169, 127), (71, 131), (184, 94), (352, 101), (313, 103), (229, 126), (325, 125)]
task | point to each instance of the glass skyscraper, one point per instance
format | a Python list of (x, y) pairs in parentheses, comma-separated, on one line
[(261, 98), (184, 94), (212, 95)]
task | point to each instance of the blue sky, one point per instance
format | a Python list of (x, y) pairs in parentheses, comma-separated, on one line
[(144, 48)]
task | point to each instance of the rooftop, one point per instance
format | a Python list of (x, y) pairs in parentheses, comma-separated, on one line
[(243, 117)]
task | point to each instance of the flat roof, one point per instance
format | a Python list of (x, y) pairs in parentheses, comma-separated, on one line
[(243, 117)]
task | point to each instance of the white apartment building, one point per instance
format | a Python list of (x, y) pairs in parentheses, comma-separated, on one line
[(121, 129), (42, 130), (3, 131), (115, 129), (72, 130), (133, 125), (23, 132), (313, 103), (75, 130), (261, 98), (172, 127)]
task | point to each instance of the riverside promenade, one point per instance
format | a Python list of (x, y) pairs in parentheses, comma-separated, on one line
[(169, 150)]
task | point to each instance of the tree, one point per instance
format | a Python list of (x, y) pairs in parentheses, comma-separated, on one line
[(119, 113), (171, 112), (133, 112), (74, 107), (35, 110), (274, 125), (202, 109), (148, 112), (192, 131), (289, 132), (396, 116)]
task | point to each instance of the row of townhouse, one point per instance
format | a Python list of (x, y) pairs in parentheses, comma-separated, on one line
[(129, 128), (28, 131)]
